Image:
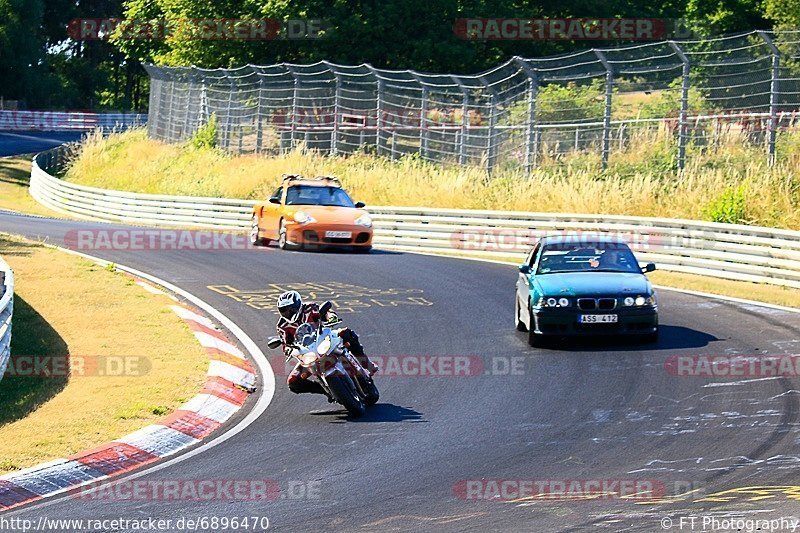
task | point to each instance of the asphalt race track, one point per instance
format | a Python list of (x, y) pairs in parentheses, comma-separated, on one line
[(12, 143), (578, 411)]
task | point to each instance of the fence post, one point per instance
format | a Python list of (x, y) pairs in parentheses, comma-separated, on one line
[(607, 111), (682, 124), (379, 87), (423, 119), (462, 145), (189, 86), (168, 130), (531, 146), (336, 108), (423, 116), (295, 103), (259, 118), (491, 156), (228, 117), (773, 96)]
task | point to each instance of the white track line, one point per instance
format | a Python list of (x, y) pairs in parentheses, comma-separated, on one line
[(267, 385)]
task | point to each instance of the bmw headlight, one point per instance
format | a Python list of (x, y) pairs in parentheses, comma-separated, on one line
[(554, 302), (301, 217), (639, 301), (364, 220)]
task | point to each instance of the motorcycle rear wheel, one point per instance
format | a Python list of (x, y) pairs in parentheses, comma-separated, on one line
[(344, 391)]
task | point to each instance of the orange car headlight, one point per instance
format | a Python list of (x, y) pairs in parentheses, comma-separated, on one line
[(364, 220), (301, 217)]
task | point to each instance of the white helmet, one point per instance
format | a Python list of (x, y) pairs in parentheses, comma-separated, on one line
[(290, 305)]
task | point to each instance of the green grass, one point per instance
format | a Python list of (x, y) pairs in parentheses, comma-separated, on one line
[(60, 300), (15, 173), (640, 181)]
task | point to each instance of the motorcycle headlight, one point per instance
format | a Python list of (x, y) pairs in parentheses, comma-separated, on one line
[(308, 358), (324, 346), (364, 220), (301, 217)]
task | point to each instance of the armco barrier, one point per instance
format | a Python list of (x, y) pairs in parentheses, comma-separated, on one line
[(67, 120), (737, 252), (6, 312)]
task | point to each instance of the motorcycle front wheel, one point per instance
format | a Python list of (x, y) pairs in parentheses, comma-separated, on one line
[(371, 391), (344, 391)]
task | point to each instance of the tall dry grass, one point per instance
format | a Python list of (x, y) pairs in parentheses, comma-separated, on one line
[(640, 179)]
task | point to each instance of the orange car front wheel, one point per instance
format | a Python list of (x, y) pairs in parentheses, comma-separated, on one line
[(283, 242), (255, 238)]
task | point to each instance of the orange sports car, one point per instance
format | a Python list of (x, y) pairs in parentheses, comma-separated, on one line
[(311, 212)]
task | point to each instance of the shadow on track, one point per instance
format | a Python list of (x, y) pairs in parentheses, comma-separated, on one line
[(670, 338), (381, 412)]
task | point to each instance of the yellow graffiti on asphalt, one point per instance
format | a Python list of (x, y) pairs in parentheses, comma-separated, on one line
[(736, 495), (345, 297)]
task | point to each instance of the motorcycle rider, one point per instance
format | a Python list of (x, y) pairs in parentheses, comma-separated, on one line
[(295, 313)]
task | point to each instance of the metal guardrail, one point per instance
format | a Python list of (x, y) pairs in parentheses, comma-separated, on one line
[(6, 312), (729, 251), (68, 120)]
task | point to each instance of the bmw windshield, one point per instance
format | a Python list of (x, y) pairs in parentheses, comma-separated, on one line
[(601, 257), (312, 195)]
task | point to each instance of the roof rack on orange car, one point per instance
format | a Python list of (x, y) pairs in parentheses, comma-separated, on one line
[(329, 178)]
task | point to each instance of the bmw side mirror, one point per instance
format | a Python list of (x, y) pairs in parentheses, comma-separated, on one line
[(649, 267), (525, 269), (274, 342), (360, 205), (274, 200)]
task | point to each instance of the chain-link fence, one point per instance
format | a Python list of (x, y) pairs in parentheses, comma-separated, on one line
[(694, 94)]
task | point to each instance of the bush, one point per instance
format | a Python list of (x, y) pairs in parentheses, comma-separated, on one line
[(563, 103), (729, 207), (206, 135), (667, 103)]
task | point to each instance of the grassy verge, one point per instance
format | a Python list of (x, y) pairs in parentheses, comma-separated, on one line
[(731, 183), (66, 305), (758, 292), (15, 173), (132, 162)]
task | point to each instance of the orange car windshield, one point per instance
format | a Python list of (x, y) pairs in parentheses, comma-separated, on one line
[(310, 195)]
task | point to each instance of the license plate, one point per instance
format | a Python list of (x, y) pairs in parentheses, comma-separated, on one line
[(597, 319), (338, 234)]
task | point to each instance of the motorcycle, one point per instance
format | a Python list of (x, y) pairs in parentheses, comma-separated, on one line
[(323, 354)]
